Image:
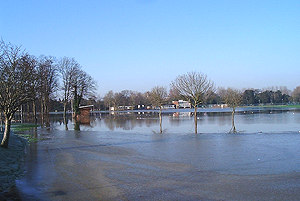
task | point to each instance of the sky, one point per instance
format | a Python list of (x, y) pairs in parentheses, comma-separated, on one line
[(139, 44)]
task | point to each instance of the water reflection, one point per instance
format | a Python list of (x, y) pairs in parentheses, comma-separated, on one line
[(73, 164), (182, 122)]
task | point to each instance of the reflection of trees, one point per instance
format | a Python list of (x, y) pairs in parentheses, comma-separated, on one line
[(128, 121), (179, 117), (117, 121), (221, 118)]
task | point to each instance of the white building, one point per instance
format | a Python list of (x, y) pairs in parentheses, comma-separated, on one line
[(182, 104)]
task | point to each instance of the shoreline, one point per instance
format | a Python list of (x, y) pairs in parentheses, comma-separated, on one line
[(12, 163)]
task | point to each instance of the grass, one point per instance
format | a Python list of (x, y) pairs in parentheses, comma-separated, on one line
[(23, 127), (20, 130), (28, 137)]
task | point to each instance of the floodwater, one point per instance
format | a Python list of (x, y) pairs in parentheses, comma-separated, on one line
[(121, 156)]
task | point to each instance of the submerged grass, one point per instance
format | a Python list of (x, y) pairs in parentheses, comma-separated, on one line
[(28, 137), (22, 131), (23, 127)]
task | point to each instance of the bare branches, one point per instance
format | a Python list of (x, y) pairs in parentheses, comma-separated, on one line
[(232, 97), (77, 84), (158, 96), (195, 87), (68, 68), (17, 77), (47, 74), (296, 94), (17, 83)]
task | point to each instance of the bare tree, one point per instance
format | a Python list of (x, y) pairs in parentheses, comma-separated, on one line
[(83, 85), (195, 87), (47, 74), (109, 99), (124, 98), (17, 83), (158, 97), (233, 98), (136, 98), (174, 95), (296, 94), (68, 69)]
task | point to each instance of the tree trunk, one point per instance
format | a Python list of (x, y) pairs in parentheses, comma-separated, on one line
[(6, 134), (65, 109), (35, 135), (42, 113), (46, 106), (65, 116), (28, 111), (66, 124), (34, 112), (1, 122), (22, 114), (233, 129), (160, 120), (195, 118), (76, 103), (77, 125)]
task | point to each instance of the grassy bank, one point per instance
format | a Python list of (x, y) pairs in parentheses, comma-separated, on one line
[(11, 162), (23, 127), (23, 130), (12, 159)]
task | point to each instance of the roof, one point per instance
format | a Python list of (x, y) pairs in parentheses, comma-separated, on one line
[(86, 106)]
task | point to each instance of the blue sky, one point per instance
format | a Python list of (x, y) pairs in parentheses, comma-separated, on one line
[(139, 44)]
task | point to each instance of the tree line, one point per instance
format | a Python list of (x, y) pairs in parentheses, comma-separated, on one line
[(30, 83), (250, 97)]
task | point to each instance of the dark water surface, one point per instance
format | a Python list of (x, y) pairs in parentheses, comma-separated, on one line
[(122, 157)]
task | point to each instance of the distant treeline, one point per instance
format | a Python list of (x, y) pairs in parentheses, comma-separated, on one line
[(133, 98), (249, 97)]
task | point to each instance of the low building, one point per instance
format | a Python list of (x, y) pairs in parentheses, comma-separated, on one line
[(120, 108), (182, 104), (218, 105), (85, 110), (171, 106), (140, 107)]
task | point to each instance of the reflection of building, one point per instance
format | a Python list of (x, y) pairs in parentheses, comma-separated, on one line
[(181, 104), (182, 114)]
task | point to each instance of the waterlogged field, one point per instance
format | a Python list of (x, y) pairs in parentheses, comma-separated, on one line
[(121, 156), (247, 120)]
